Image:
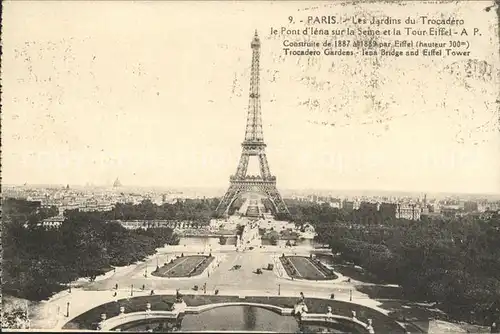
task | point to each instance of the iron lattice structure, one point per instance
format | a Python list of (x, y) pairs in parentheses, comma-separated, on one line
[(253, 146)]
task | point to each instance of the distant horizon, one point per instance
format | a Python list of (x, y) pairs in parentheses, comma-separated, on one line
[(309, 191)]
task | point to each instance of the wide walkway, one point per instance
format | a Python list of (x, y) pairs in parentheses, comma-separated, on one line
[(243, 281)]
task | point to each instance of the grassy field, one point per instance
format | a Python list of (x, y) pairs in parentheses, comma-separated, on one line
[(87, 320), (184, 266), (301, 267)]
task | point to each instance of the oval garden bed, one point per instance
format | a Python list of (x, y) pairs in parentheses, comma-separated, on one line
[(301, 267), (184, 266)]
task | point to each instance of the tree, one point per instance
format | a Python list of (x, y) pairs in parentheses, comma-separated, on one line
[(15, 319), (39, 262), (222, 240)]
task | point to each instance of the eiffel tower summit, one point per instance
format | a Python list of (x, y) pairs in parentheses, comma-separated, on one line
[(253, 147)]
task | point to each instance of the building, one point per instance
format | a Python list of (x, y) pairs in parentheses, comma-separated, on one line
[(488, 206), (275, 225), (173, 224), (470, 206), (450, 211), (347, 205), (408, 211), (52, 222), (336, 204), (117, 183)]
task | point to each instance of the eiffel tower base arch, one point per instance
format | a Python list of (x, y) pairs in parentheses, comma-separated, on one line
[(253, 185)]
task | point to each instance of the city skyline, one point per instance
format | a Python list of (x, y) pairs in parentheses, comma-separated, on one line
[(92, 102), (219, 191)]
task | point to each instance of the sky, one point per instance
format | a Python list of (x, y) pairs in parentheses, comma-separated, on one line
[(156, 93)]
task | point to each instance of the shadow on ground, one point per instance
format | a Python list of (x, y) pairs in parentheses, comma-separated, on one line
[(358, 274), (381, 291)]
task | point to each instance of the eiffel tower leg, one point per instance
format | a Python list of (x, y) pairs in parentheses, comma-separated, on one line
[(242, 165), (276, 199), (228, 198), (264, 166)]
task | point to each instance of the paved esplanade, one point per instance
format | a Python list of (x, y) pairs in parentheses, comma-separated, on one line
[(243, 281), (222, 277)]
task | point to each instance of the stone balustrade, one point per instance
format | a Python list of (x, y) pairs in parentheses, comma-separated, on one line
[(107, 324), (332, 318), (125, 318)]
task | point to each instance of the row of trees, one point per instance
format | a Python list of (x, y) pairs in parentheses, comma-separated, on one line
[(197, 210), (39, 262), (321, 216), (455, 263)]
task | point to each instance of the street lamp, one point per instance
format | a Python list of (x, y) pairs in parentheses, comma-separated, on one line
[(279, 289), (27, 315), (67, 310), (132, 290)]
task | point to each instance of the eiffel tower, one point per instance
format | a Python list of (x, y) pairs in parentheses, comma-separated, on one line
[(253, 146)]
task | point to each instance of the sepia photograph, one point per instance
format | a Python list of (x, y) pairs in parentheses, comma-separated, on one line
[(250, 166)]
